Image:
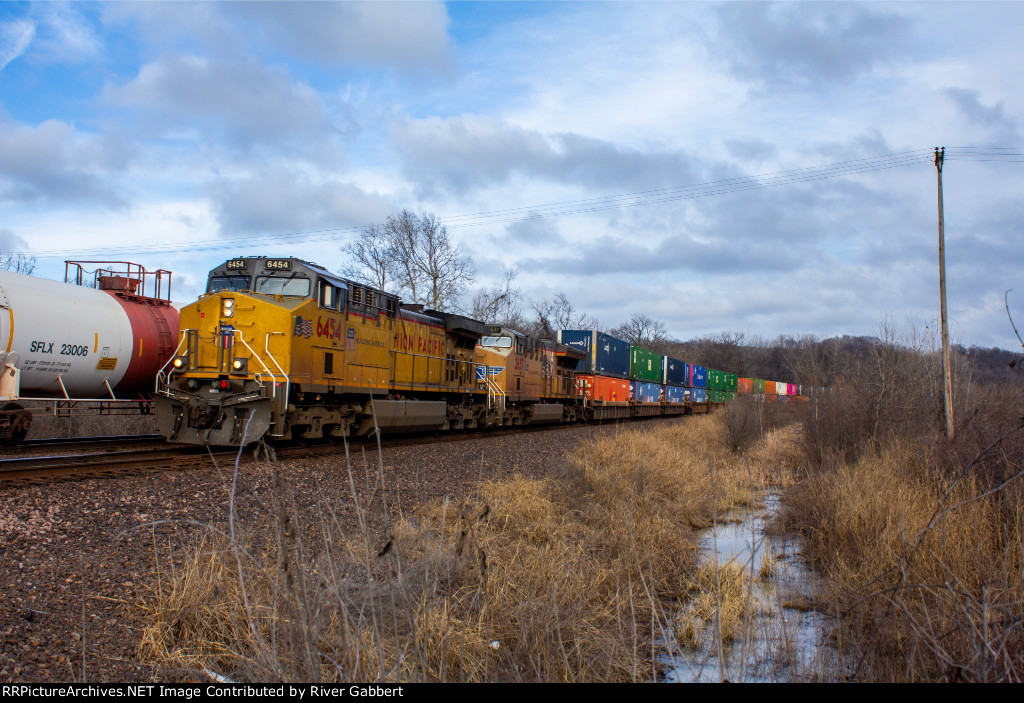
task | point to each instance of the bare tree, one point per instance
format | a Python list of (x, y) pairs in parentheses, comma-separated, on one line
[(417, 255), (372, 258), (500, 304), (18, 263), (560, 314), (643, 331), (443, 270), (402, 232)]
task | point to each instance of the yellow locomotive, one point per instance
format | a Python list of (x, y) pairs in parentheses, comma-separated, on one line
[(284, 348)]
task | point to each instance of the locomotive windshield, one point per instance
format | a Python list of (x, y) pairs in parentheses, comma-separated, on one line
[(233, 283), (273, 285), (497, 342)]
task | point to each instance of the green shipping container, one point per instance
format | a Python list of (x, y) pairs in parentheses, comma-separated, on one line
[(716, 381), (731, 382), (730, 396), (759, 385), (716, 396), (644, 365)]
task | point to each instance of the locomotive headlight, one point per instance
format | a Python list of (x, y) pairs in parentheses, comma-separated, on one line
[(178, 362), (240, 365), (228, 307)]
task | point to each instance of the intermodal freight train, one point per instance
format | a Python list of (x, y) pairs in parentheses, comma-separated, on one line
[(283, 348), (99, 337)]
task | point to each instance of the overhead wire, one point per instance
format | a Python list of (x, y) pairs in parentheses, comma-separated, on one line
[(567, 208)]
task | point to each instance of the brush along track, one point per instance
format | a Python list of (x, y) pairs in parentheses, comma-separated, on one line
[(37, 469)]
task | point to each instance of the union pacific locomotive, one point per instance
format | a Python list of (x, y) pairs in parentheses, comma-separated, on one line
[(283, 348)]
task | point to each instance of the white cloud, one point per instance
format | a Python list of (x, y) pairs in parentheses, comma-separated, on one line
[(66, 36), (280, 200), (806, 43), (237, 100), (470, 152), (409, 36), (56, 164), (15, 38)]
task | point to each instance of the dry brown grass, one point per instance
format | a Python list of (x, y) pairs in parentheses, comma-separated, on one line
[(570, 578), (923, 558), (722, 602)]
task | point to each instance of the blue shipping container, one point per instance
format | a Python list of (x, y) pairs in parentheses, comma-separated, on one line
[(700, 395), (698, 377), (675, 394), (644, 392), (606, 355), (674, 371)]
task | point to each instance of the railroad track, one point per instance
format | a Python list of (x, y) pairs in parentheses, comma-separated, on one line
[(100, 442), (43, 469)]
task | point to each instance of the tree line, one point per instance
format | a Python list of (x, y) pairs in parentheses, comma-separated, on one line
[(413, 255)]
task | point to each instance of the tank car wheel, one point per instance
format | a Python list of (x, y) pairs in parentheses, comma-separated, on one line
[(22, 423)]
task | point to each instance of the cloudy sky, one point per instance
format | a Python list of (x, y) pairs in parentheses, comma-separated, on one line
[(750, 167)]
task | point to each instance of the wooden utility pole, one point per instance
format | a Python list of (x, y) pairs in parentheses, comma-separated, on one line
[(946, 375)]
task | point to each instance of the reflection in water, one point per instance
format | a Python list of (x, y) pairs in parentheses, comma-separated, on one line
[(781, 640)]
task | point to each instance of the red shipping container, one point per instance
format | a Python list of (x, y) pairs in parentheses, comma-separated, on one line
[(792, 389), (745, 385), (603, 388)]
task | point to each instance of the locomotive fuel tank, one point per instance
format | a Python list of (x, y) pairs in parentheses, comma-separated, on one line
[(84, 342)]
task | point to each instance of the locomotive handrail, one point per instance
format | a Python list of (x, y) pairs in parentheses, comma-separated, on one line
[(494, 391), (273, 375), (287, 380), (160, 373), (266, 347)]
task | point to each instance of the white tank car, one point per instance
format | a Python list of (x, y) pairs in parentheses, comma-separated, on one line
[(78, 335), (59, 339)]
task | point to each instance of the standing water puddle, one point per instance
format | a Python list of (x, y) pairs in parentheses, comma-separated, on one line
[(781, 640)]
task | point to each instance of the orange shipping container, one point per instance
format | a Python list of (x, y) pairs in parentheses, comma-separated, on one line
[(769, 388), (745, 385), (603, 388)]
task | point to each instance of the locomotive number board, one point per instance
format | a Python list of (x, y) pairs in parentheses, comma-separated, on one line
[(279, 264), (236, 264)]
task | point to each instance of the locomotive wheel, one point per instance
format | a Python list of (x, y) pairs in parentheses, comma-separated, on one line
[(20, 422)]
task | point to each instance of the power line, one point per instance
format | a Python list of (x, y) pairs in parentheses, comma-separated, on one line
[(729, 185), (589, 205)]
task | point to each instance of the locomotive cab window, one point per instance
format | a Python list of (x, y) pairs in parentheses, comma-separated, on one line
[(229, 283), (329, 295), (281, 285)]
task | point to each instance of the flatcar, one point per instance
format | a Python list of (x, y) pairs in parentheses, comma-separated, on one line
[(100, 336)]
